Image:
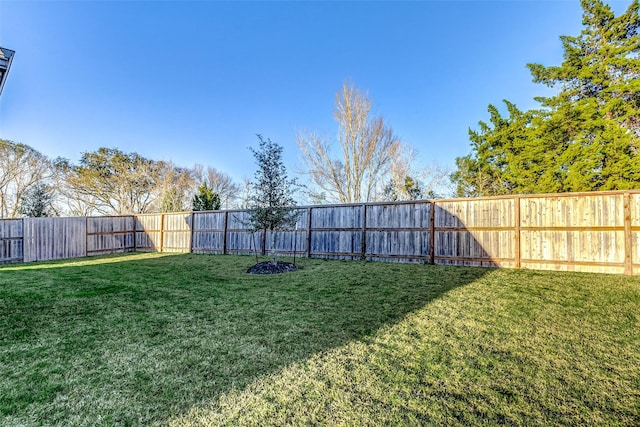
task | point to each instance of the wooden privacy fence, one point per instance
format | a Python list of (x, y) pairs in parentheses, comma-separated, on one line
[(594, 232)]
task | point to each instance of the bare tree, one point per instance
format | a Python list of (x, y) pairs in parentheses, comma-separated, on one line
[(176, 187), (21, 167), (367, 146)]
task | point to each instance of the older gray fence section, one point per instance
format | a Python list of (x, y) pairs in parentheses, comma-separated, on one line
[(108, 235), (11, 240), (54, 238)]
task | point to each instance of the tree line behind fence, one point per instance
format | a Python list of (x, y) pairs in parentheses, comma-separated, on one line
[(593, 232)]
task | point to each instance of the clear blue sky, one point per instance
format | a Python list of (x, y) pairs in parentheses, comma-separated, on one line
[(193, 82)]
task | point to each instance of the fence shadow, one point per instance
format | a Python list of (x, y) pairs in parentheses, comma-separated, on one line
[(198, 327)]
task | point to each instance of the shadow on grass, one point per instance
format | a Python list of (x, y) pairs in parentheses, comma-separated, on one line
[(147, 338)]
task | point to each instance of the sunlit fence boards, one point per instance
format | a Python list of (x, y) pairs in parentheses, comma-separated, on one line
[(475, 232), (582, 232), (592, 232)]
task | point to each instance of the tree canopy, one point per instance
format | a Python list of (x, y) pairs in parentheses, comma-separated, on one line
[(585, 137)]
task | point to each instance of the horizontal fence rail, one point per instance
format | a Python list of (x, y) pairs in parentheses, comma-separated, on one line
[(592, 232)]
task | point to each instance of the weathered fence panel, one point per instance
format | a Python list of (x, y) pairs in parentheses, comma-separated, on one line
[(108, 235), (11, 240), (54, 238), (291, 241), (336, 231), (209, 232), (398, 232), (240, 239)]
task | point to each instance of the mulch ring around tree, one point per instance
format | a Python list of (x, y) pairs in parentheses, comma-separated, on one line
[(268, 267)]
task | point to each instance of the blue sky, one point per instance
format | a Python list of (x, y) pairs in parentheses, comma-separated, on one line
[(194, 81)]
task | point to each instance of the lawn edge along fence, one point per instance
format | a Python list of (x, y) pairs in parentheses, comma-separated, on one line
[(591, 232)]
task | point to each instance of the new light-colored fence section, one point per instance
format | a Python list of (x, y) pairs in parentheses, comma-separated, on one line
[(11, 240), (54, 238), (176, 232), (111, 234), (584, 232), (633, 228), (475, 232), (148, 232)]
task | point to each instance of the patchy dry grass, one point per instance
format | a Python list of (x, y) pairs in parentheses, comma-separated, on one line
[(192, 340)]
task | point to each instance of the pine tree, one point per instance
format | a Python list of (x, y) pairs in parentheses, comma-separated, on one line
[(36, 201), (585, 137), (206, 199)]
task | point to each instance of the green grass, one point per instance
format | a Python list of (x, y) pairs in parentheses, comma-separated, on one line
[(145, 339)]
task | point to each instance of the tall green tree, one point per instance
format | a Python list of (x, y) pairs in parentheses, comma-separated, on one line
[(585, 137)]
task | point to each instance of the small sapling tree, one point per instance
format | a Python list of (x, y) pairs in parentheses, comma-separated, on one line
[(271, 204)]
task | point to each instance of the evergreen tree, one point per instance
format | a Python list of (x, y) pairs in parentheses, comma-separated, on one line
[(586, 137), (36, 201), (206, 199)]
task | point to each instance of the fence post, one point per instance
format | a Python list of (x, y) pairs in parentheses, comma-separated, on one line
[(86, 235), (628, 244), (364, 233), (264, 242), (432, 232), (191, 236), (135, 232), (309, 232), (161, 231), (517, 225), (224, 232)]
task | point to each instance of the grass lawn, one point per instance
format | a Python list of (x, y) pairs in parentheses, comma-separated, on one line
[(142, 339)]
